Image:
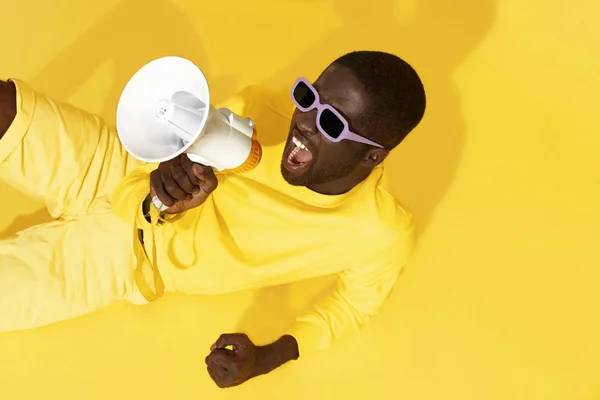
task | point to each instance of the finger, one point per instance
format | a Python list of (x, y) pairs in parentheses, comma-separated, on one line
[(157, 185), (181, 176), (188, 167), (214, 354), (216, 372), (218, 376), (171, 186), (206, 175), (223, 358), (238, 341), (202, 172)]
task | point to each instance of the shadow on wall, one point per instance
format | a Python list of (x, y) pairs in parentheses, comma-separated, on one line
[(436, 41), (113, 39)]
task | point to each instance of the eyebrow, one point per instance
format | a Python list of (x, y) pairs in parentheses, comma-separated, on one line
[(326, 100), (343, 114)]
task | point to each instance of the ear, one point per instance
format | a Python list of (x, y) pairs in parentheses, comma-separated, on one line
[(374, 157)]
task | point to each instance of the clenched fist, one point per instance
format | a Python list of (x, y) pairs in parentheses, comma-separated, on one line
[(232, 367), (181, 184), (234, 359)]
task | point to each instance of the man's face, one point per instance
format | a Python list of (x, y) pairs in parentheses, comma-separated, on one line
[(324, 161)]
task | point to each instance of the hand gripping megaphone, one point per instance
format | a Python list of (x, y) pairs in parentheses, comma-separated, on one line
[(165, 111)]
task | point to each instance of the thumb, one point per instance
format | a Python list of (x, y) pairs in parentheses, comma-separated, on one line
[(199, 170), (235, 340), (206, 176)]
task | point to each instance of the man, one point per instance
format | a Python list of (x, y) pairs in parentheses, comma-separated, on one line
[(317, 205)]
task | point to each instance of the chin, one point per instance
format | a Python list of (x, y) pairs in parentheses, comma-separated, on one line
[(294, 180)]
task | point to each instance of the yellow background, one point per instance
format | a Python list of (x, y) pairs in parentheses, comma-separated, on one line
[(501, 300)]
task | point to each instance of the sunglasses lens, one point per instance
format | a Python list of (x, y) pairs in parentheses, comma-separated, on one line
[(303, 95), (331, 124)]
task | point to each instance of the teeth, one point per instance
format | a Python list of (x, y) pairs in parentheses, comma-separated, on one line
[(296, 149), (293, 153), (298, 144)]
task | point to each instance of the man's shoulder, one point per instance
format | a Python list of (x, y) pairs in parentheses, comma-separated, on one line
[(385, 235), (382, 208), (381, 222), (391, 219)]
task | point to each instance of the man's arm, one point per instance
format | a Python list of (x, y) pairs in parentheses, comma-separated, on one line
[(357, 297)]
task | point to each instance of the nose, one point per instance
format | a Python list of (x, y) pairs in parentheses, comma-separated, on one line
[(307, 122)]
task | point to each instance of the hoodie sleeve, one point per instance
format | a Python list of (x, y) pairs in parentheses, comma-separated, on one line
[(354, 300)]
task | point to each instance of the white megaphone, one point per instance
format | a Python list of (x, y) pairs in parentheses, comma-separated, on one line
[(165, 111)]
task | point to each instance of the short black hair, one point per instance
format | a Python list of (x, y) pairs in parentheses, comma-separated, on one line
[(396, 92)]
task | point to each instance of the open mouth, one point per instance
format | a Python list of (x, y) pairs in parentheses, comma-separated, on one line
[(297, 154)]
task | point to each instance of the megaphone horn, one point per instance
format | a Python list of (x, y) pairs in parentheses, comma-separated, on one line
[(165, 111)]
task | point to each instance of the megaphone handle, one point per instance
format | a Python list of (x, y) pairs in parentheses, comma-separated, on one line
[(243, 125)]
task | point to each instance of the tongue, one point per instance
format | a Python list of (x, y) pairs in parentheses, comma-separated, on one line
[(303, 156)]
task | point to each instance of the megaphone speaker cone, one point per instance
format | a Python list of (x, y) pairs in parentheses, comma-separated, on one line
[(163, 109)]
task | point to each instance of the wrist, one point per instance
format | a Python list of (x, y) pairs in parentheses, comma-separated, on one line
[(276, 354), (163, 216)]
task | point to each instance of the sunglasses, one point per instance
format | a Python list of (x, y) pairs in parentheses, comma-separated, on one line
[(329, 121)]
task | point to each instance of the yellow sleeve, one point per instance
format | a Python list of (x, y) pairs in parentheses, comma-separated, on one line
[(357, 296), (126, 200)]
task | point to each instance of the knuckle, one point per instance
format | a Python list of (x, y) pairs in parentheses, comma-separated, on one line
[(166, 175), (163, 166), (174, 194), (171, 187), (187, 169), (179, 174)]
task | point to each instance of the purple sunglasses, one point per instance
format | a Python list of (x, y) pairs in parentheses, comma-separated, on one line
[(329, 121)]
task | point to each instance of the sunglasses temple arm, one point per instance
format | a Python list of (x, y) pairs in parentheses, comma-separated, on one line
[(356, 138)]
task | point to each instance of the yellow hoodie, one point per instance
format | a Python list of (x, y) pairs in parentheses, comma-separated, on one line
[(256, 230)]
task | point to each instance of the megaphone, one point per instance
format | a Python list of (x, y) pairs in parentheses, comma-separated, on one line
[(164, 111)]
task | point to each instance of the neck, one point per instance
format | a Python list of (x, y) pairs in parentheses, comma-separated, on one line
[(341, 185)]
